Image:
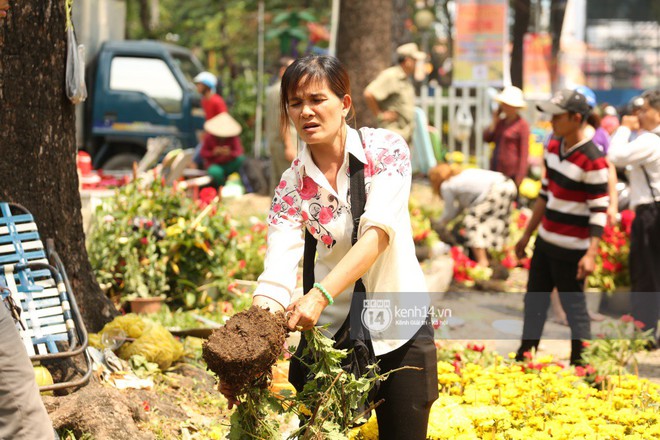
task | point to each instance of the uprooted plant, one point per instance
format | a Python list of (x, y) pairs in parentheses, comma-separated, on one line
[(331, 402)]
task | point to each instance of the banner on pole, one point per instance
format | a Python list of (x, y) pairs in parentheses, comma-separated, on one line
[(537, 49), (480, 46)]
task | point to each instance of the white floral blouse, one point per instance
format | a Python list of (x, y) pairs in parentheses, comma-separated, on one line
[(304, 198)]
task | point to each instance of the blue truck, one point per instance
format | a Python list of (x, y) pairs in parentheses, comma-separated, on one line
[(137, 89)]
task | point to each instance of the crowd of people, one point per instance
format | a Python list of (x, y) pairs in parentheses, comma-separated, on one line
[(577, 200), (311, 146)]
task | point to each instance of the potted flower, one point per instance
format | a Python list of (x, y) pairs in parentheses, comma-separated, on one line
[(154, 241)]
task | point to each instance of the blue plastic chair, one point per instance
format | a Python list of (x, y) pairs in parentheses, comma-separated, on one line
[(50, 323)]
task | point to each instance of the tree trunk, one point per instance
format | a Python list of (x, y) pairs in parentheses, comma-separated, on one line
[(520, 25), (364, 46), (37, 141)]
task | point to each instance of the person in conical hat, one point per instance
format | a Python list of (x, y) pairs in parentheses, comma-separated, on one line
[(222, 151)]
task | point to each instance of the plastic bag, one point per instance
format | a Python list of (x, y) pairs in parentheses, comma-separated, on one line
[(76, 90)]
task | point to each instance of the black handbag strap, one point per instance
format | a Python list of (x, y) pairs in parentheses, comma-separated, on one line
[(358, 200)]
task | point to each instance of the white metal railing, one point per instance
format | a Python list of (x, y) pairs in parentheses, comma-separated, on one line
[(442, 113)]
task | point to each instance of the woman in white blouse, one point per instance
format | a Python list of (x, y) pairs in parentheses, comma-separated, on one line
[(314, 195)]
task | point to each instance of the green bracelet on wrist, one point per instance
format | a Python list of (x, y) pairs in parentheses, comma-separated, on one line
[(325, 293)]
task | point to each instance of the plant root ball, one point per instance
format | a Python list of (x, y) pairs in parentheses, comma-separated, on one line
[(246, 347)]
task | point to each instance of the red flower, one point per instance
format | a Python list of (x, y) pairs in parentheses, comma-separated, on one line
[(580, 371), (590, 369), (526, 262), (457, 367), (277, 208), (241, 264), (528, 355), (457, 356), (308, 189), (206, 195), (325, 215), (475, 347), (288, 200), (522, 221), (326, 239), (585, 344), (282, 184), (608, 265), (627, 217), (292, 211), (627, 318), (146, 405), (304, 215), (639, 324), (509, 261), (144, 240)]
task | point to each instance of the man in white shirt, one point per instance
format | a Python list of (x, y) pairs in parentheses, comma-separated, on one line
[(643, 154)]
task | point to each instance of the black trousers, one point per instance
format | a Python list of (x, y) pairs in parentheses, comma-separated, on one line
[(546, 273), (408, 394), (644, 262)]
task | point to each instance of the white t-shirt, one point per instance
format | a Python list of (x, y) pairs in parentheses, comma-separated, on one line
[(304, 198), (643, 151)]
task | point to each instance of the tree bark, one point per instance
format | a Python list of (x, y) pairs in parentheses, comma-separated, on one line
[(520, 25), (37, 141), (364, 45)]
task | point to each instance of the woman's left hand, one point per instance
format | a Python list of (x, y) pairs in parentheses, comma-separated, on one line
[(304, 313)]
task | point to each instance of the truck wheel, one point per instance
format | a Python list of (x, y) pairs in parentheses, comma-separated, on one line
[(122, 161)]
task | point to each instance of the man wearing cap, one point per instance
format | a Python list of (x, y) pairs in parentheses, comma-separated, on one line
[(391, 96), (571, 211), (212, 103), (510, 132)]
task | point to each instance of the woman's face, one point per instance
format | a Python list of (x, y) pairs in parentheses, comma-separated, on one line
[(318, 113), (508, 110), (649, 117)]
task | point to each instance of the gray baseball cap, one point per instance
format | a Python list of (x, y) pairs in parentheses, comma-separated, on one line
[(565, 101)]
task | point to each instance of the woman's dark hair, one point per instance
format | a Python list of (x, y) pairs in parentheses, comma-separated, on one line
[(310, 69)]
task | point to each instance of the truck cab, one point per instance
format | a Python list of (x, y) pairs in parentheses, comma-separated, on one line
[(138, 90)]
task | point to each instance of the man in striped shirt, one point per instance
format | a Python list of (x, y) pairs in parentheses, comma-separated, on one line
[(572, 212)]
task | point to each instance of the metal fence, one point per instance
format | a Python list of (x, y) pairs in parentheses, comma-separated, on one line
[(444, 108), (442, 105)]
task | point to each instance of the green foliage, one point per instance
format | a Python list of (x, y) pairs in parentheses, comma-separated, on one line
[(253, 417), (332, 395), (327, 405), (153, 240), (617, 346)]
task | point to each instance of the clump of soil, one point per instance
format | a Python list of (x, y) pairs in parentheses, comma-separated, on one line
[(246, 347)]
